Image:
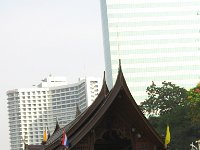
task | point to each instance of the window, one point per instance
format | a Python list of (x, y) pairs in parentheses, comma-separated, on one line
[(72, 88), (53, 91), (57, 91)]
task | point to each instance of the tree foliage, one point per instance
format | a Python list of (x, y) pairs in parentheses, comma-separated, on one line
[(173, 105), (194, 104), (163, 99)]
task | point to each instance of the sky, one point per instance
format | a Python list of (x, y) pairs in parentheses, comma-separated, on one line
[(43, 37)]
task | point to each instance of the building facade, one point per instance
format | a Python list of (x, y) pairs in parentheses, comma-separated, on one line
[(156, 40), (66, 98), (31, 110)]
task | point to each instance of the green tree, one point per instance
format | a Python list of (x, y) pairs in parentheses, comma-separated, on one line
[(163, 99), (182, 132), (194, 104), (168, 104)]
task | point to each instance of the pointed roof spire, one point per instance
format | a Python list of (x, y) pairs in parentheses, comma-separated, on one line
[(120, 73), (78, 112), (57, 126), (48, 133), (120, 67), (25, 145), (120, 77), (104, 86)]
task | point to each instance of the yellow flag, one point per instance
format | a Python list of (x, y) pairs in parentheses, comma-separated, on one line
[(167, 137), (45, 135)]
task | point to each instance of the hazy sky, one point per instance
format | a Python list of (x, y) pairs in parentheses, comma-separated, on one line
[(42, 37)]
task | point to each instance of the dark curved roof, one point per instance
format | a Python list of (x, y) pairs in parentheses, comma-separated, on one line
[(85, 122), (119, 87)]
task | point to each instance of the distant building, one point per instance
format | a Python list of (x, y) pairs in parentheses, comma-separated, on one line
[(31, 110), (66, 97), (157, 40)]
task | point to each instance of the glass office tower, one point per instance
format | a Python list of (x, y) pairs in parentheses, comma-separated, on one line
[(156, 40)]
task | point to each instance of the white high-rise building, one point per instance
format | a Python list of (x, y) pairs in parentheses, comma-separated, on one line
[(66, 98), (31, 110), (156, 40)]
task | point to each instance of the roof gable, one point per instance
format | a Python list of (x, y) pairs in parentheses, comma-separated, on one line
[(86, 121), (119, 87)]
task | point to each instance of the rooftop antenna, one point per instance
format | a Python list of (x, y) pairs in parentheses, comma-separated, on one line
[(84, 72), (84, 69), (118, 48)]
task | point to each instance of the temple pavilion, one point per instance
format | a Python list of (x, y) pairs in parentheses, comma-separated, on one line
[(113, 122)]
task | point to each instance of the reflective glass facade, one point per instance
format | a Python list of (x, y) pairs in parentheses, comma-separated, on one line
[(156, 40)]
